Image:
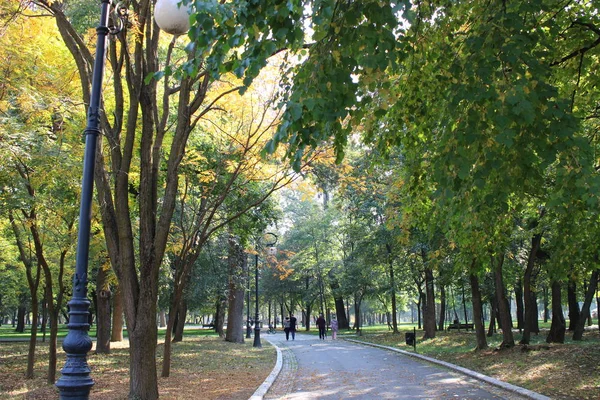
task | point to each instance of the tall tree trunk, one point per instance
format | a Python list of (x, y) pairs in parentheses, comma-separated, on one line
[(103, 295), (429, 309), (21, 311), (237, 288), (530, 304), (173, 315), (162, 319), (340, 312), (464, 302), (520, 304), (220, 315), (546, 303), (307, 314), (574, 313), (589, 297), (116, 334), (393, 288), (535, 323), (180, 320), (142, 352), (477, 312), (558, 325), (493, 313), (442, 320), (503, 308), (598, 308), (357, 316)]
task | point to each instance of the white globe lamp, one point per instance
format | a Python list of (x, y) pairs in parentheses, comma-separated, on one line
[(172, 17)]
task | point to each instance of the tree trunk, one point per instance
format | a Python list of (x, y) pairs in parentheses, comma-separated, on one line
[(546, 303), (142, 353), (503, 308), (530, 304), (357, 322), (162, 319), (180, 320), (535, 323), (238, 265), (393, 289), (103, 295), (589, 297), (21, 311), (598, 308), (520, 304), (442, 320), (573, 304), (340, 312), (116, 334), (220, 316), (464, 302), (493, 313), (307, 317), (558, 325), (32, 340), (173, 312), (477, 313), (429, 309)]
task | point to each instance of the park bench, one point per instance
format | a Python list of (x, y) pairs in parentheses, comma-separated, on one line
[(460, 326), (211, 325)]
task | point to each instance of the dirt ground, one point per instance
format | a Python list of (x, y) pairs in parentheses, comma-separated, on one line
[(206, 368)]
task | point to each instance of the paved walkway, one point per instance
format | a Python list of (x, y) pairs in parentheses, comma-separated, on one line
[(317, 369)]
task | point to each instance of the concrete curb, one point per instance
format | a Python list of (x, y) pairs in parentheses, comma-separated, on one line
[(266, 385), (492, 381)]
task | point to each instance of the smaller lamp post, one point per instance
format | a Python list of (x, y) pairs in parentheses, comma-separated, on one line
[(248, 330), (271, 240)]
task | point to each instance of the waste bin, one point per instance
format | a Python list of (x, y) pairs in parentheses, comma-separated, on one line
[(409, 337)]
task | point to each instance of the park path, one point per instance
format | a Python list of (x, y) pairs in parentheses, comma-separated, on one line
[(327, 369)]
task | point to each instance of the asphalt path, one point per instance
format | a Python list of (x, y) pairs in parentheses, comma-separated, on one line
[(327, 369)]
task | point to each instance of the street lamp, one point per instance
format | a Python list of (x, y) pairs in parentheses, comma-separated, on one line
[(271, 240), (75, 381), (248, 330)]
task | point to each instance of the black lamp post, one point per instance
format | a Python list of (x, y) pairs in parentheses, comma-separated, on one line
[(75, 382), (272, 240), (248, 330)]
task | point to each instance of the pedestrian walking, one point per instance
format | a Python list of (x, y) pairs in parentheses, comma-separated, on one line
[(321, 324), (334, 327), (286, 328), (293, 325)]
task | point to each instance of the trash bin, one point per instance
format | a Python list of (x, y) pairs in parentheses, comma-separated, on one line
[(409, 337)]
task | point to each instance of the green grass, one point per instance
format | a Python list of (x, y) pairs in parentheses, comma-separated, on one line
[(8, 332)]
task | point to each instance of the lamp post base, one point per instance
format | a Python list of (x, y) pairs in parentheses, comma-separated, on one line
[(257, 337)]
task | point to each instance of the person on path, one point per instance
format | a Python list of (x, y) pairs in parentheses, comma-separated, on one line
[(321, 323), (293, 322), (286, 328), (334, 328)]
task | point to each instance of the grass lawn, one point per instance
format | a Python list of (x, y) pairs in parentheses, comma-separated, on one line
[(564, 371), (203, 367)]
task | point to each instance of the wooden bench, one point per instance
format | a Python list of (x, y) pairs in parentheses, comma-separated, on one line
[(211, 325), (460, 326)]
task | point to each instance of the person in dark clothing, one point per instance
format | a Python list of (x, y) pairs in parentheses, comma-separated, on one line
[(321, 324), (293, 324), (286, 328)]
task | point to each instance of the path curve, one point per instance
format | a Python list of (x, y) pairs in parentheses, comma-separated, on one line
[(317, 369)]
